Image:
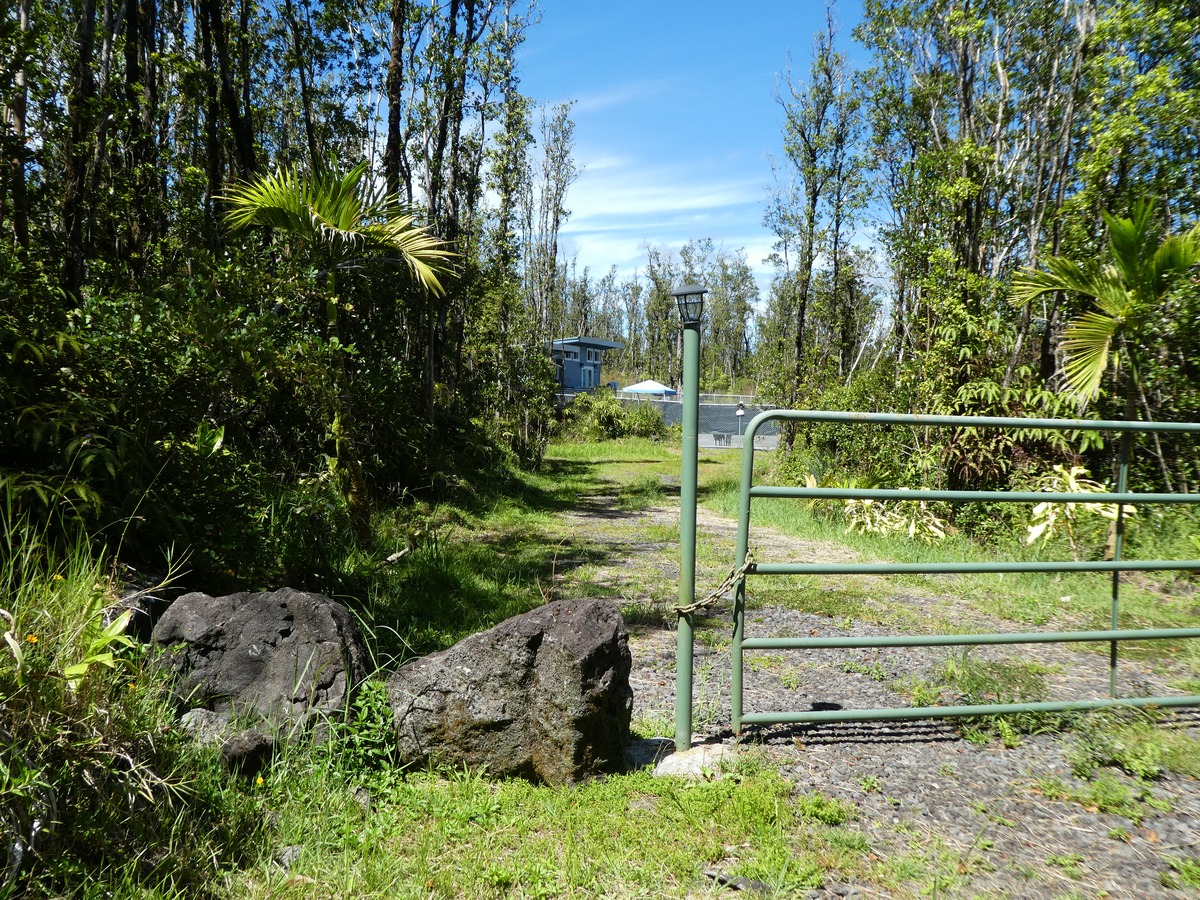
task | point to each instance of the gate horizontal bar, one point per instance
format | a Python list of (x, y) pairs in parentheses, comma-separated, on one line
[(938, 712), (831, 493), (1121, 496), (816, 415), (961, 568), (963, 640)]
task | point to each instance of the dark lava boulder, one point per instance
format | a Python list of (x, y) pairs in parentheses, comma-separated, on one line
[(543, 696)]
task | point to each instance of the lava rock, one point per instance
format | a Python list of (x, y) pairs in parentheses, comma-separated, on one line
[(279, 658), (543, 696)]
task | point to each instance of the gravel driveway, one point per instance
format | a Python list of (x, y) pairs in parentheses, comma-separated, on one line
[(997, 821)]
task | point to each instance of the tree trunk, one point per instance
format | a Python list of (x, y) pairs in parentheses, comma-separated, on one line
[(239, 122), (80, 104), (442, 133), (394, 149), (310, 134), (16, 113)]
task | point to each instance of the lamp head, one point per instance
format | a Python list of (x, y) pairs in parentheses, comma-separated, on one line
[(690, 300)]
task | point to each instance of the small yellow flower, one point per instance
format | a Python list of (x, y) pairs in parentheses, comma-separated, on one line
[(56, 577), (31, 638), (132, 685), (259, 781)]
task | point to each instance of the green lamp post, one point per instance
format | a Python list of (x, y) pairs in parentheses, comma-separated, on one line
[(690, 299)]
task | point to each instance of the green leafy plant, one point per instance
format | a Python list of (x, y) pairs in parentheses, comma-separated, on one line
[(338, 219), (364, 739), (1077, 520), (98, 751), (100, 645), (1134, 742), (61, 650), (1186, 871), (599, 415), (872, 669), (1127, 293), (1105, 793), (15, 649), (911, 517), (1069, 863)]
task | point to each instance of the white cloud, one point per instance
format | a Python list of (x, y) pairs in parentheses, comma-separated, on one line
[(619, 205), (622, 188), (620, 95)]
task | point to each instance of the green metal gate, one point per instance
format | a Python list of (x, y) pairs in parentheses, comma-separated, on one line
[(1113, 636)]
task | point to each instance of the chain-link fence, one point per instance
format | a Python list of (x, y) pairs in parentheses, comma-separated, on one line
[(719, 424)]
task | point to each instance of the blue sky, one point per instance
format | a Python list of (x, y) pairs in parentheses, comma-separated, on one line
[(675, 116)]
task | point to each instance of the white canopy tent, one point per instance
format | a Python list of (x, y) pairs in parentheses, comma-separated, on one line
[(650, 387)]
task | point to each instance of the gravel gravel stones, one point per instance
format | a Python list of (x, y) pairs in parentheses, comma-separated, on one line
[(987, 820)]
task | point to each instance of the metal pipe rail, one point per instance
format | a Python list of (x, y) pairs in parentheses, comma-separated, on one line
[(1113, 636)]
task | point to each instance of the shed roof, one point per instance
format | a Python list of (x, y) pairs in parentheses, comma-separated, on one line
[(595, 343)]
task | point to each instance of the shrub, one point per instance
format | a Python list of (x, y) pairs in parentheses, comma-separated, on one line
[(644, 420), (599, 416), (100, 781)]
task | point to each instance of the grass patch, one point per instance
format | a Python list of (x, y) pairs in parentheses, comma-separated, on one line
[(1184, 872), (1141, 743), (794, 592), (458, 834), (871, 668), (640, 493), (966, 679), (1106, 793), (1069, 863), (650, 726)]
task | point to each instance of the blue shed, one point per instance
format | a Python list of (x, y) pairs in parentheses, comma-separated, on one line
[(577, 361)]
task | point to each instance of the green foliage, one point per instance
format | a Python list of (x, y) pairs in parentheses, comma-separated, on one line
[(1185, 871), (824, 809), (644, 421), (599, 415), (885, 517), (966, 679), (1127, 292), (835, 450), (343, 216), (57, 629), (1106, 793), (365, 740), (127, 796), (1084, 523), (1138, 743), (55, 439)]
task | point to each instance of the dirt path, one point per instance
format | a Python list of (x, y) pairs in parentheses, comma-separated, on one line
[(939, 815)]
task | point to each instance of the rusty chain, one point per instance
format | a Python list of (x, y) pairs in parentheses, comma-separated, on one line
[(734, 576)]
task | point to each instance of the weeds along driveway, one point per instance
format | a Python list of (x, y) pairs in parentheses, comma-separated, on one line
[(1104, 804)]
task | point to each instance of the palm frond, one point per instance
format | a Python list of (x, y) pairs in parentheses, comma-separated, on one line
[(347, 215), (1030, 284), (1086, 278), (1132, 242), (1126, 291), (278, 200), (1086, 343), (1176, 256), (426, 255)]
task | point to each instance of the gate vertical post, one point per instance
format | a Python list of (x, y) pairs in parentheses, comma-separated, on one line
[(1118, 544), (739, 557), (690, 299)]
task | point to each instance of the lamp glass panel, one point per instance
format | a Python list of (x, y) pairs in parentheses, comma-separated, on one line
[(691, 306)]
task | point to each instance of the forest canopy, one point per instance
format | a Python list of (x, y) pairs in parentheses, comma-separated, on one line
[(213, 387)]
